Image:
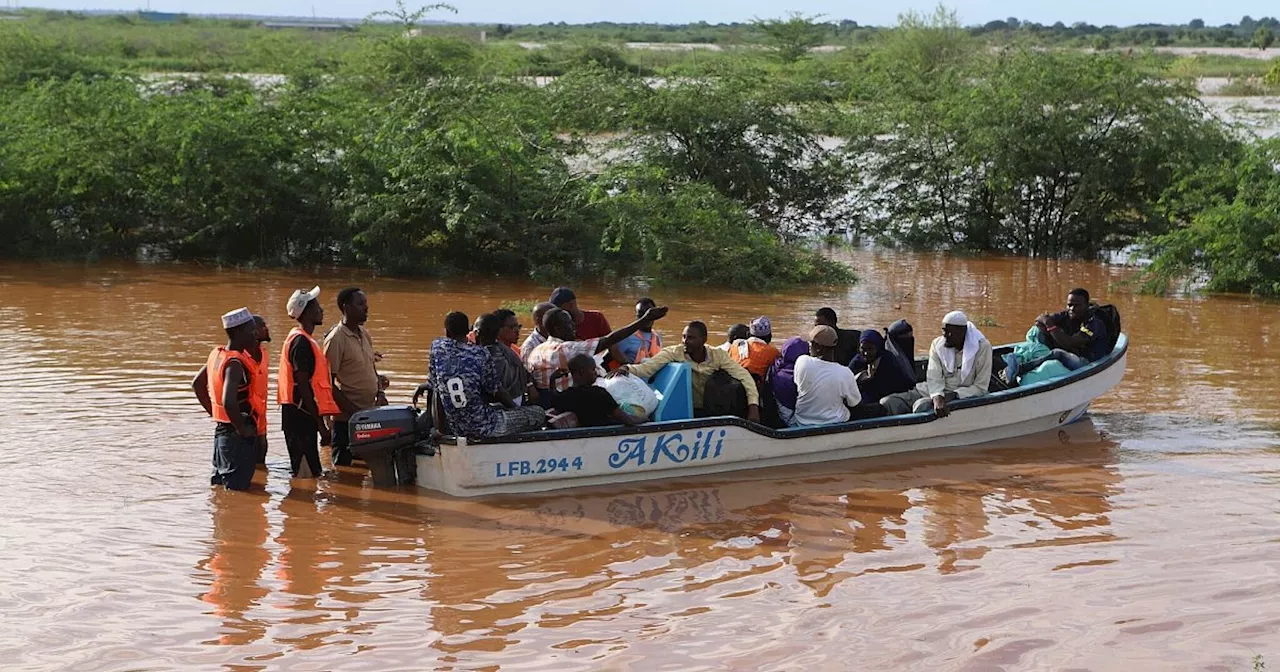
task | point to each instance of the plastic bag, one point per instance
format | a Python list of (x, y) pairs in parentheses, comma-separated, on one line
[(631, 393)]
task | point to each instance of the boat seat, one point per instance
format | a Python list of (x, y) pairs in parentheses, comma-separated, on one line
[(674, 385)]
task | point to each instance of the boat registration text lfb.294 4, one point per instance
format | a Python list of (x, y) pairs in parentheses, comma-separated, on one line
[(633, 452)]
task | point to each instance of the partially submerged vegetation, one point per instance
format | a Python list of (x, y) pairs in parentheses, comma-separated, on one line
[(429, 153)]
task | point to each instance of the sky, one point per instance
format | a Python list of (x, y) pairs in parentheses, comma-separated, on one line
[(882, 12)]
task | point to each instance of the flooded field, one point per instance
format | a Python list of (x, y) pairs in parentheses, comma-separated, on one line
[(1144, 538)]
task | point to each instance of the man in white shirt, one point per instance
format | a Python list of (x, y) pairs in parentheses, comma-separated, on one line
[(826, 390), (959, 368)]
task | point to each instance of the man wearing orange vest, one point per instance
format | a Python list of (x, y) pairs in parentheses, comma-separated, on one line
[(262, 335), (756, 353), (304, 389), (224, 387), (642, 345)]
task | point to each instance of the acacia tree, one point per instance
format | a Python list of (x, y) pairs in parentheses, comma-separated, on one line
[(1263, 38), (792, 38)]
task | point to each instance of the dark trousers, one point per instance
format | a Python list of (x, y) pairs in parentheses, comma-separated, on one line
[(234, 458), (867, 411), (341, 443), (302, 438)]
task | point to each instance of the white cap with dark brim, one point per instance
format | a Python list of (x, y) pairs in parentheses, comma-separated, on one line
[(299, 300), (236, 318)]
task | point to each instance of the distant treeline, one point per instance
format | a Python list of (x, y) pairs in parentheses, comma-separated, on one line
[(843, 32)]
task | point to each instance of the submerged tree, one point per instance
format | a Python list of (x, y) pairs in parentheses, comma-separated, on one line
[(1229, 237)]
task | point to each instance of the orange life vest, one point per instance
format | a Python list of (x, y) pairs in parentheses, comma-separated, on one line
[(216, 368), (259, 389), (321, 380), (754, 355), (649, 348)]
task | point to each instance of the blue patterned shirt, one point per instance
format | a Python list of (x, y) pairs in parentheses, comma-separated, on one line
[(461, 375)]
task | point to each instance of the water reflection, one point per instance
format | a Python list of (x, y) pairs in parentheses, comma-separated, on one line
[(237, 559), (510, 562)]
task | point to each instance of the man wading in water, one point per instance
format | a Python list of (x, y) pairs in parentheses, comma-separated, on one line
[(304, 388), (353, 363), (262, 335), (224, 387)]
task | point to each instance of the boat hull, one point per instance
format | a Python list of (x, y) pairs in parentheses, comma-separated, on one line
[(564, 459)]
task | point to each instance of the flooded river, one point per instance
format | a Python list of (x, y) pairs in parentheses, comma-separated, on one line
[(1145, 538)]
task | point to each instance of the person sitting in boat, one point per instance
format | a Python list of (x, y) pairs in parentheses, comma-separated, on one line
[(463, 376), (848, 343), (825, 390), (537, 336), (738, 332), (588, 324), (756, 352), (900, 344), (643, 344), (782, 378), (1077, 336), (515, 379), (879, 373), (703, 362), (562, 345), (959, 368), (593, 405), (509, 331)]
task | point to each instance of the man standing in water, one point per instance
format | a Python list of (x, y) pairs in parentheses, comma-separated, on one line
[(224, 387), (357, 385), (304, 389), (263, 335)]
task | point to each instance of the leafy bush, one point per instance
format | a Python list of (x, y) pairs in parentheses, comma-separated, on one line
[(1231, 237), (688, 232), (457, 176), (1029, 152)]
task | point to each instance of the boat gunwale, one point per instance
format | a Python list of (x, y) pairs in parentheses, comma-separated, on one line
[(1117, 353)]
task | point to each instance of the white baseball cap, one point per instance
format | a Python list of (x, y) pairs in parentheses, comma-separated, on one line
[(236, 318), (299, 300)]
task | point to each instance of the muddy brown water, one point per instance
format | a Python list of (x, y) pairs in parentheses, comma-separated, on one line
[(1144, 538)]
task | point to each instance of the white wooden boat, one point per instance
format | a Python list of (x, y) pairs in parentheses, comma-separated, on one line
[(571, 458)]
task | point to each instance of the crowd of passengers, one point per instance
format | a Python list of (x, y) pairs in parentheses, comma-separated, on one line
[(486, 381)]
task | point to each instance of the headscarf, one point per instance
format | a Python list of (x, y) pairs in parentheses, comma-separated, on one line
[(859, 362), (969, 351), (782, 373), (901, 343), (892, 376)]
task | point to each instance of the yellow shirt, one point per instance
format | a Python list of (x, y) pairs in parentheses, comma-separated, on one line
[(717, 360)]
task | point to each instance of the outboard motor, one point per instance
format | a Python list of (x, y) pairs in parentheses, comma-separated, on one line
[(388, 438)]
